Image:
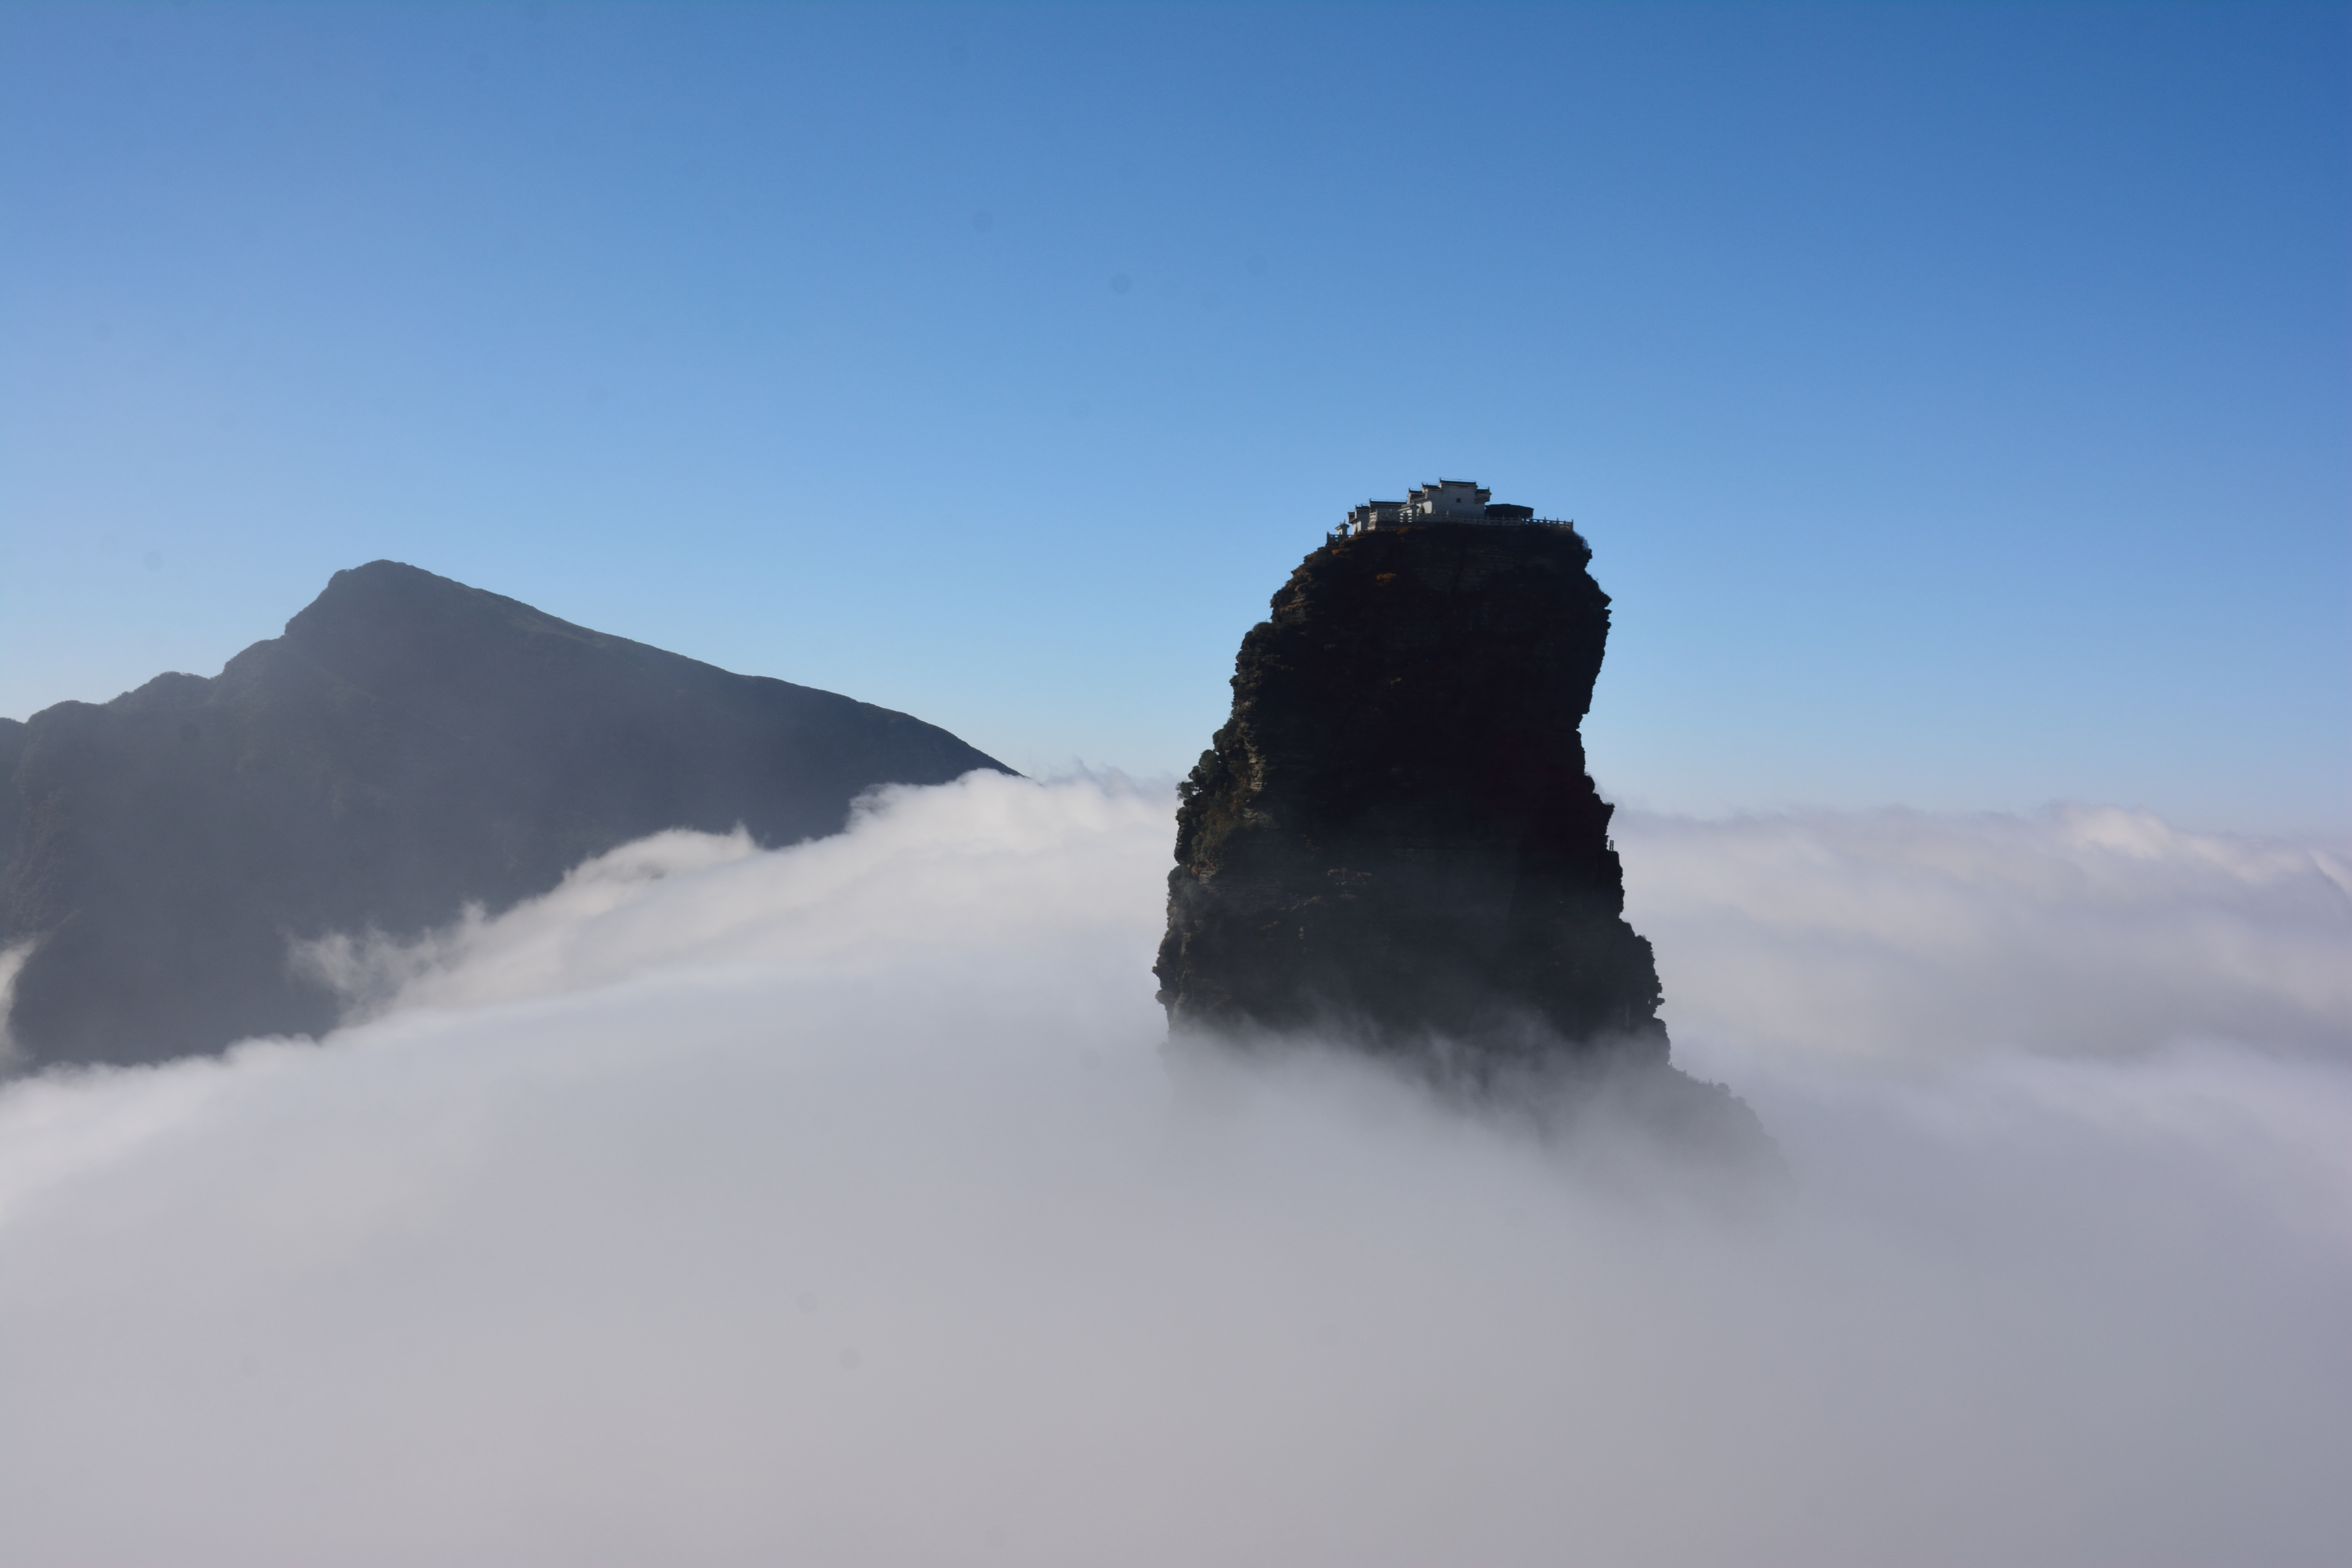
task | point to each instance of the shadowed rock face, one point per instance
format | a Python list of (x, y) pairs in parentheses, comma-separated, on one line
[(1393, 839), (409, 746)]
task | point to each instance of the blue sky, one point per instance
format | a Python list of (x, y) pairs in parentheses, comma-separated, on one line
[(1957, 399)]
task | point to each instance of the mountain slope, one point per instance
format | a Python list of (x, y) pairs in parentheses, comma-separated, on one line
[(411, 744)]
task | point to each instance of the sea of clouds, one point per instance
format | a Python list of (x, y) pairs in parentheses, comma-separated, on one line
[(835, 1206)]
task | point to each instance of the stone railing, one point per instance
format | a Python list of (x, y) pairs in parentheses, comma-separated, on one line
[(1419, 520)]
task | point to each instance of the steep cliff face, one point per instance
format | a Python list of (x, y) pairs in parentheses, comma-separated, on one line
[(410, 745), (1393, 839)]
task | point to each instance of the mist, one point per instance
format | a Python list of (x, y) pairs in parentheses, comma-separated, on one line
[(835, 1205)]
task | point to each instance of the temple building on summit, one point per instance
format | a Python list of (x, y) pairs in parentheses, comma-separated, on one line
[(1447, 501)]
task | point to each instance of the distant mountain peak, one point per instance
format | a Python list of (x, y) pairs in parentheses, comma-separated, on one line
[(411, 744)]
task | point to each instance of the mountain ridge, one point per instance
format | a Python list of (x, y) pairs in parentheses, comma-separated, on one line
[(410, 745)]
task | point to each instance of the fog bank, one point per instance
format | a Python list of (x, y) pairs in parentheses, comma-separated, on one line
[(833, 1206)]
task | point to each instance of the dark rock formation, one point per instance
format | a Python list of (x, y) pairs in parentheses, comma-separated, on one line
[(1393, 841), (409, 746)]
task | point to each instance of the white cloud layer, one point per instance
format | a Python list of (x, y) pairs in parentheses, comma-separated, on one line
[(834, 1206), (2082, 932)]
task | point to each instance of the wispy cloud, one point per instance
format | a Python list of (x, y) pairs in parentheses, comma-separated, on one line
[(1905, 937)]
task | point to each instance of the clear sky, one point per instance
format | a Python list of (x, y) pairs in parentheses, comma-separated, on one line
[(1958, 399)]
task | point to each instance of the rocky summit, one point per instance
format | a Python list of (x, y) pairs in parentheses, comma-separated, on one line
[(1393, 843), (409, 747)]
